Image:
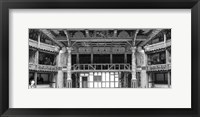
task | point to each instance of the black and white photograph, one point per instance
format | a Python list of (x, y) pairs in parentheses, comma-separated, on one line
[(99, 58)]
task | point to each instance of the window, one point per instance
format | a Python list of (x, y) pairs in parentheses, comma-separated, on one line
[(161, 78)]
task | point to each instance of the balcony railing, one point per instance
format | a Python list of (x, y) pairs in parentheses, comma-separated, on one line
[(43, 67), (159, 67), (101, 67), (43, 46), (157, 46), (32, 66)]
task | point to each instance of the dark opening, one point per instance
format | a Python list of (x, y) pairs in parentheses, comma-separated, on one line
[(74, 59), (157, 58), (84, 58), (161, 78), (101, 58), (47, 58), (129, 58), (118, 58)]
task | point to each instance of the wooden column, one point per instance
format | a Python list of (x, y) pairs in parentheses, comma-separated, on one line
[(87, 33), (80, 81), (35, 78), (125, 78), (77, 58), (115, 33), (169, 78), (37, 60), (134, 83), (166, 51), (111, 58), (125, 57), (69, 64), (143, 74), (167, 62), (61, 57), (149, 80), (92, 56), (167, 56)]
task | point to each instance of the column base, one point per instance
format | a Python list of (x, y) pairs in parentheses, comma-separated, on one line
[(69, 84), (134, 83)]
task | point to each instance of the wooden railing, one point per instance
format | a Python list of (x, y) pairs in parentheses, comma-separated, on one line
[(103, 67), (159, 67), (159, 45), (32, 66), (43, 46), (43, 67)]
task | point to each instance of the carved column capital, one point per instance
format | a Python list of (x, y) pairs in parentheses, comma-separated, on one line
[(133, 49), (69, 49)]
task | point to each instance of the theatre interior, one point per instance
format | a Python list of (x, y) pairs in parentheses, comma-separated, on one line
[(100, 58)]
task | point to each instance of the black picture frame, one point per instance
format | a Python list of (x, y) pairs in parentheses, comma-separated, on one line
[(5, 5)]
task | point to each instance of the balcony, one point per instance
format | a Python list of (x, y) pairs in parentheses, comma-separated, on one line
[(101, 67), (43, 46), (32, 66), (157, 46), (159, 67), (48, 68)]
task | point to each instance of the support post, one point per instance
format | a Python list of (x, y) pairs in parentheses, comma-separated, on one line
[(143, 74), (35, 78), (134, 83), (149, 80), (125, 82), (80, 82), (92, 55), (169, 79), (166, 51), (69, 64), (37, 61), (115, 33), (77, 58), (111, 59), (125, 57), (60, 63)]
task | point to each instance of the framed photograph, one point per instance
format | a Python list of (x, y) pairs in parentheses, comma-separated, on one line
[(99, 58)]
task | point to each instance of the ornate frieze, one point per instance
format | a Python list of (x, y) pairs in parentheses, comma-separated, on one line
[(159, 67), (84, 50), (47, 68), (101, 50), (43, 68)]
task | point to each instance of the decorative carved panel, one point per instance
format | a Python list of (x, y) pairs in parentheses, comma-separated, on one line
[(118, 50), (84, 50), (78, 35), (123, 34), (101, 50), (160, 67)]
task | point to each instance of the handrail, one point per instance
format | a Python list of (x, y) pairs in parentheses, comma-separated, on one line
[(40, 67), (119, 66), (159, 67), (43, 46), (159, 45)]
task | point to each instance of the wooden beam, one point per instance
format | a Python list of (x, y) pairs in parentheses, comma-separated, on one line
[(102, 40), (51, 37), (68, 40), (138, 38), (154, 33), (135, 37)]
